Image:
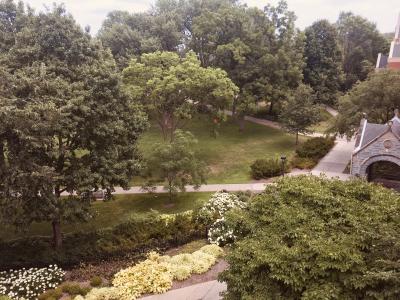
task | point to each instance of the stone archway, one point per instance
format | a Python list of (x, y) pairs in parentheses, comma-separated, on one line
[(373, 159)]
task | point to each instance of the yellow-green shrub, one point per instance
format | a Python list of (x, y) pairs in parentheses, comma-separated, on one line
[(111, 293), (180, 272), (149, 276), (156, 273), (212, 249)]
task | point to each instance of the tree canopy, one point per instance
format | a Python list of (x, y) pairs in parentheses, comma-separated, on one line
[(65, 126), (377, 97), (174, 89), (323, 69), (314, 238), (360, 43), (300, 112)]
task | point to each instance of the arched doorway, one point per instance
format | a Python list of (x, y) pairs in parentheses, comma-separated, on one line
[(383, 169)]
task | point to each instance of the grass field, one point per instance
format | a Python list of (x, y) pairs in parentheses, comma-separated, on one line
[(325, 124), (230, 155), (119, 210)]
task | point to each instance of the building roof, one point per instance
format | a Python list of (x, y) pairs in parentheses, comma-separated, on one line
[(370, 131)]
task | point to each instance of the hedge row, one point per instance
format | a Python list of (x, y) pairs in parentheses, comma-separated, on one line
[(134, 238)]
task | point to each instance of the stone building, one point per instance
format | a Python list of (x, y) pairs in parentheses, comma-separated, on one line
[(391, 61), (376, 143)]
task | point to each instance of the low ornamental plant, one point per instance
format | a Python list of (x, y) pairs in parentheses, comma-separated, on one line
[(28, 284), (156, 274), (220, 233), (218, 205), (212, 214)]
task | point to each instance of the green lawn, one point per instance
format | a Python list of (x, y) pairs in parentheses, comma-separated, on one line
[(325, 124), (230, 155), (119, 210)]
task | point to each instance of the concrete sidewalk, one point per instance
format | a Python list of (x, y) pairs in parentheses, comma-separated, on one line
[(337, 159), (203, 291), (234, 187)]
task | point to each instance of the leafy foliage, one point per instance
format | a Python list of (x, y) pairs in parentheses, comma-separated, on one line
[(363, 98), (300, 112), (312, 238), (173, 89), (323, 70), (134, 237), (360, 43), (315, 148), (267, 168), (65, 123), (177, 164)]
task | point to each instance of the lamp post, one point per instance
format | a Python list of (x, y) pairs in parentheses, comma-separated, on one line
[(283, 160)]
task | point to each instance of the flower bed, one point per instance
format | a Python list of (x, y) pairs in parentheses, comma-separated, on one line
[(29, 283), (156, 274)]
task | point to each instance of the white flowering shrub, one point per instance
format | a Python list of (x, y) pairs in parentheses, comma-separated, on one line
[(218, 205), (28, 284), (220, 233), (213, 213)]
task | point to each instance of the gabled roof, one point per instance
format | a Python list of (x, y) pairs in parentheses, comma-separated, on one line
[(370, 132)]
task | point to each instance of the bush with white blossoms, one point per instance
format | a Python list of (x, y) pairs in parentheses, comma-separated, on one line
[(28, 284), (218, 205), (213, 213), (220, 233)]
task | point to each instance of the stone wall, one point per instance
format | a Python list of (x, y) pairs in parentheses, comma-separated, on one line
[(386, 148)]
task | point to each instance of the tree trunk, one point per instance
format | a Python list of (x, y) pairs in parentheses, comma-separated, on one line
[(271, 107), (241, 124), (57, 238)]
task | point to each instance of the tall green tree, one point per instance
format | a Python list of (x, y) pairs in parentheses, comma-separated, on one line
[(259, 49), (129, 35), (66, 125), (360, 43), (300, 112), (323, 69), (176, 164), (377, 97), (174, 89)]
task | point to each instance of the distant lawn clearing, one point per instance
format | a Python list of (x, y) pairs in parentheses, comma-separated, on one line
[(325, 124), (118, 211), (230, 155)]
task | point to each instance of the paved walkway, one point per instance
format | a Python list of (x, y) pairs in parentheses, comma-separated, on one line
[(235, 187), (203, 291), (337, 159)]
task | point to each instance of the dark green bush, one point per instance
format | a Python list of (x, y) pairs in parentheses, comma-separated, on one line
[(134, 238), (303, 163), (96, 281), (51, 294), (312, 238), (75, 289), (266, 168), (315, 148)]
